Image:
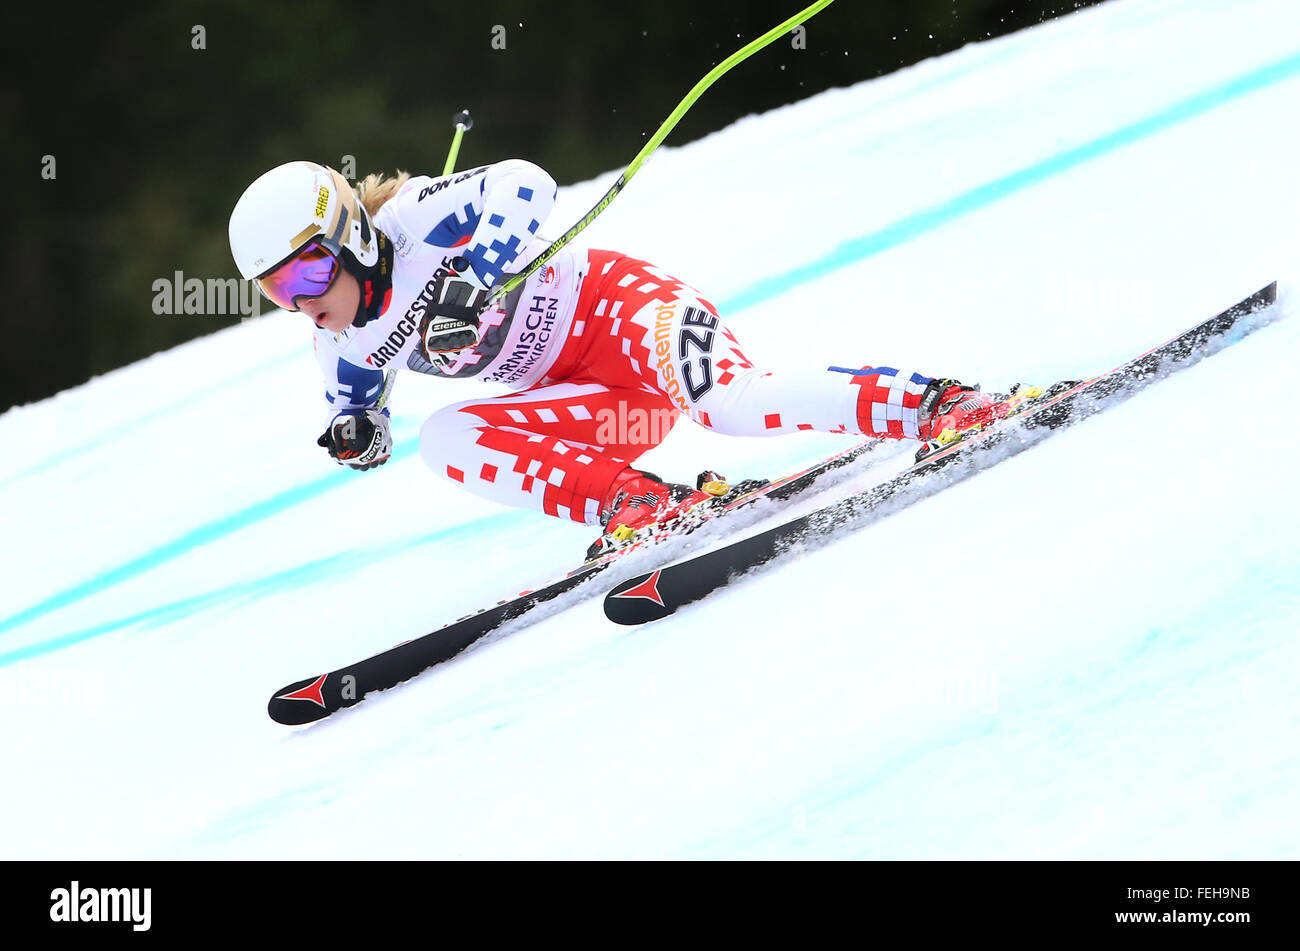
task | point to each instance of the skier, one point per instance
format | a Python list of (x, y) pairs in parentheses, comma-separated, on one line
[(605, 351)]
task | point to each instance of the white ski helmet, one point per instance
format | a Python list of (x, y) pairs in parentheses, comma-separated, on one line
[(291, 205)]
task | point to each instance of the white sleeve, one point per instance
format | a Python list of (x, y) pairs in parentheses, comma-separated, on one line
[(488, 215), (349, 389)]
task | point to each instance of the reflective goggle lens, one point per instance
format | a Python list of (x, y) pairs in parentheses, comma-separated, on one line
[(309, 273)]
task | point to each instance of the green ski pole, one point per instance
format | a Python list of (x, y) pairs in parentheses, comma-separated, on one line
[(655, 140), (463, 124)]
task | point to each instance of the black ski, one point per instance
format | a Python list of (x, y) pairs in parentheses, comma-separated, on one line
[(318, 697), (660, 593)]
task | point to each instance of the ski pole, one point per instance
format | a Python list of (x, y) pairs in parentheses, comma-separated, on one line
[(463, 124), (655, 140)]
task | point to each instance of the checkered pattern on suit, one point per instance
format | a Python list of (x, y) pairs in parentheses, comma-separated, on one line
[(643, 348), (554, 448)]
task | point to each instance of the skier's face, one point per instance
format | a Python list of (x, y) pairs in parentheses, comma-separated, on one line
[(334, 309)]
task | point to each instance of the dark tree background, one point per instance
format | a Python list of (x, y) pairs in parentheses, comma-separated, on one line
[(154, 140)]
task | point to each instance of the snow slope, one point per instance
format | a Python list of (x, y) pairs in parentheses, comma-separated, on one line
[(1088, 651)]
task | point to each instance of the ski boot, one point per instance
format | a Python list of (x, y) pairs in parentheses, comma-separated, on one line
[(639, 503), (951, 411)]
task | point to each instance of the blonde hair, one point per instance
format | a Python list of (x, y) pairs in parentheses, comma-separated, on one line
[(374, 190)]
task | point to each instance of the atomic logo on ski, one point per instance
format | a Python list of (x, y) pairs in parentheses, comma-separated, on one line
[(310, 692), (648, 589)]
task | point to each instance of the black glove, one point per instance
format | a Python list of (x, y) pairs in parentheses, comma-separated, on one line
[(451, 322), (362, 441)]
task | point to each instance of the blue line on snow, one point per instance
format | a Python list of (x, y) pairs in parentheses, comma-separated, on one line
[(183, 402), (890, 236), (231, 595), (203, 535), (922, 222)]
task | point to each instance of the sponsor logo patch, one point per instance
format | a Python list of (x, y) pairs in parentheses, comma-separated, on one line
[(403, 245), (434, 187)]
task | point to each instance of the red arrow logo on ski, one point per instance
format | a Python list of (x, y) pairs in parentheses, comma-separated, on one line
[(648, 589), (310, 692)]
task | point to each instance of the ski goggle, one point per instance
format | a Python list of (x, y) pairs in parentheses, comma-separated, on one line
[(309, 273)]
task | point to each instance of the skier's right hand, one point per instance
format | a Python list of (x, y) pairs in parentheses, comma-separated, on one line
[(362, 441), (451, 323)]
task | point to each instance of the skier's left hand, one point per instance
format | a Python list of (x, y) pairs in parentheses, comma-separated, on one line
[(361, 440)]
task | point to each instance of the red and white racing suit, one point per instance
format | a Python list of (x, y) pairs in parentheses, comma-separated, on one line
[(606, 352)]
